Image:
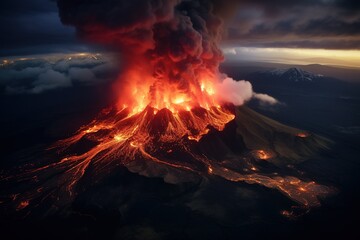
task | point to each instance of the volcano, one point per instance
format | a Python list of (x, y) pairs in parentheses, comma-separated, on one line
[(176, 115), (233, 143)]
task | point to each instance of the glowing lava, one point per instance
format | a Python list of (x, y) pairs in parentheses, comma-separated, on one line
[(303, 135), (263, 155), (161, 137), (170, 95)]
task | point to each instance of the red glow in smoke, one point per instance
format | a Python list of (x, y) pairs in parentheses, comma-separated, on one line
[(170, 95)]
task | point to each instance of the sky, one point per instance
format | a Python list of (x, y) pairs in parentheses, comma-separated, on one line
[(329, 24), (261, 27)]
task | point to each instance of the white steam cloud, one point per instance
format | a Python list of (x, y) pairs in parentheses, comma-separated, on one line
[(239, 92), (265, 99), (236, 92)]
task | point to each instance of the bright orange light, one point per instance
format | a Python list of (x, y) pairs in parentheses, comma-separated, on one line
[(118, 138), (303, 135), (263, 155), (22, 205), (139, 88)]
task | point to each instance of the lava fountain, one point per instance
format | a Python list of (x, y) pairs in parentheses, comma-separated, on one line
[(171, 95)]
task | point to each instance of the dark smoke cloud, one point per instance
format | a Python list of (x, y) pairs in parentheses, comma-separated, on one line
[(314, 27), (307, 23), (257, 22), (177, 41), (261, 23), (134, 23), (29, 27)]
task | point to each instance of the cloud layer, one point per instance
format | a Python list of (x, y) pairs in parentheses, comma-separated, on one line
[(330, 24), (35, 76), (29, 27)]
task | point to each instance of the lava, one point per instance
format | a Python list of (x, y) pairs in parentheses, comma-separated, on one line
[(170, 95), (263, 155), (305, 193), (22, 205), (303, 135), (122, 137)]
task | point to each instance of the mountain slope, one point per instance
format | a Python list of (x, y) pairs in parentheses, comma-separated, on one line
[(294, 74)]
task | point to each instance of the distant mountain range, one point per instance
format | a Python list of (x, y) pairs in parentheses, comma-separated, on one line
[(294, 74), (242, 69), (297, 79)]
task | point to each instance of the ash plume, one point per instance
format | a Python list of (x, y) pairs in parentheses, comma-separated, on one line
[(174, 41), (171, 120)]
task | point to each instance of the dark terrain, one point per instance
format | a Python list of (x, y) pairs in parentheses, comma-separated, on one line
[(126, 205)]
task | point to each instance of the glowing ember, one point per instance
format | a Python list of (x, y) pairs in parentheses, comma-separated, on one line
[(170, 95), (303, 135), (22, 205), (263, 155), (305, 193), (122, 137)]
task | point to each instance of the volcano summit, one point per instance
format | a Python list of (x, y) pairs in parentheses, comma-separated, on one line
[(176, 115)]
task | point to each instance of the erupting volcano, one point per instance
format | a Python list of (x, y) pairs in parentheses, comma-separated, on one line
[(176, 113)]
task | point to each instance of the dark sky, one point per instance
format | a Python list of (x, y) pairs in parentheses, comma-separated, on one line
[(327, 24), (33, 26)]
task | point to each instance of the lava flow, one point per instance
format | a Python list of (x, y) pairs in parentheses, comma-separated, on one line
[(171, 95)]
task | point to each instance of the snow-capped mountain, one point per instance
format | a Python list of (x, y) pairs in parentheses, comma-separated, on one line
[(294, 74), (296, 79)]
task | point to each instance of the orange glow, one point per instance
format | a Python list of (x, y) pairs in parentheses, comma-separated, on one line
[(263, 155), (305, 193), (22, 205), (170, 94), (155, 122), (121, 137), (160, 116), (303, 135), (141, 89)]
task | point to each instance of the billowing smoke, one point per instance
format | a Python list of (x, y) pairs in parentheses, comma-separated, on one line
[(236, 92), (172, 42), (266, 99)]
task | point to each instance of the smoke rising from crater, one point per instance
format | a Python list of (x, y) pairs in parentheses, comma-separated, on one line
[(175, 43)]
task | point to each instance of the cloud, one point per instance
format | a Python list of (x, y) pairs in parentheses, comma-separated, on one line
[(29, 27), (240, 92), (16, 75), (236, 92), (36, 80), (320, 27), (296, 24), (50, 80), (265, 99), (82, 75), (331, 44), (266, 102), (36, 76)]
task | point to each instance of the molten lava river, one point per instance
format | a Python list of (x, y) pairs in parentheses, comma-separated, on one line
[(171, 99), (166, 132)]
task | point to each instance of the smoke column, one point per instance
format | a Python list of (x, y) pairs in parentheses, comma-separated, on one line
[(170, 48), (171, 94)]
